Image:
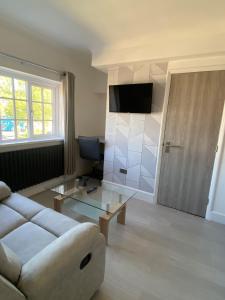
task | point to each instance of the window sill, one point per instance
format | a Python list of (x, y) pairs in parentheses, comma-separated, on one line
[(30, 144)]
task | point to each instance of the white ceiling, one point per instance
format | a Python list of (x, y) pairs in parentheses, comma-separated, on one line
[(98, 24)]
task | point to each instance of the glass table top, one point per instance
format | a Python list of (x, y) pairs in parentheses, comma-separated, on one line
[(107, 197)]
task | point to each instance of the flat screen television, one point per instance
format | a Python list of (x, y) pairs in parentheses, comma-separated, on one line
[(130, 98)]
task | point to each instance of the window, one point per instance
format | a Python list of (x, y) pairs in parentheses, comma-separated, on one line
[(28, 107)]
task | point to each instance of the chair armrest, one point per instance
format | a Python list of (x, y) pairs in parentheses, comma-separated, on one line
[(55, 272)]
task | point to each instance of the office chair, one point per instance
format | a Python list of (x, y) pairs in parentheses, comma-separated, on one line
[(90, 150)]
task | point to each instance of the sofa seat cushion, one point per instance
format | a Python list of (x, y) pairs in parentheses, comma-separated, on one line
[(9, 220), (26, 207), (54, 222), (27, 240), (10, 266)]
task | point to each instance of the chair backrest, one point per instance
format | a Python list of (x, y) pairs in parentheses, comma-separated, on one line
[(89, 148)]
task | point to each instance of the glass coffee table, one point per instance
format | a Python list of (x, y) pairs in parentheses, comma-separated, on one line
[(105, 202)]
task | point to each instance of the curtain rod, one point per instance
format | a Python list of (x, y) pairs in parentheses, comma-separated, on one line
[(24, 61)]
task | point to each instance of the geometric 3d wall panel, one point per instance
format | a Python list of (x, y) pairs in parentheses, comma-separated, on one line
[(132, 139)]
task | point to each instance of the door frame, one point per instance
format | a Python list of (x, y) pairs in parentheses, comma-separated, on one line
[(215, 63)]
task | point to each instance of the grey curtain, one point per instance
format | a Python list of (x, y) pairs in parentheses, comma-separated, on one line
[(69, 121)]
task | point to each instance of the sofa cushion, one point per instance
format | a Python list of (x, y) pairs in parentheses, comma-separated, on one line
[(27, 240), (25, 206), (9, 220), (4, 191), (54, 222), (10, 266)]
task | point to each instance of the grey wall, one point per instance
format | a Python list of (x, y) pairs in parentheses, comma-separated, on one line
[(132, 139)]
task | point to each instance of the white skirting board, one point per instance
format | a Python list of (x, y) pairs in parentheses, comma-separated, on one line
[(216, 217), (43, 186), (145, 196)]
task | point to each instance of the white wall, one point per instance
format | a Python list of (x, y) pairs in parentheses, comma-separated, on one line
[(89, 104), (164, 48), (132, 139), (216, 205), (219, 204)]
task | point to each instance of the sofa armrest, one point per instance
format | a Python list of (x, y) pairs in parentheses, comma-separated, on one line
[(66, 266)]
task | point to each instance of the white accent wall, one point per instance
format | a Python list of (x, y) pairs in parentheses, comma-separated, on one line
[(132, 139)]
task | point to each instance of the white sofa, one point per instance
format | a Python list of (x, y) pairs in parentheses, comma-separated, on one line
[(45, 255)]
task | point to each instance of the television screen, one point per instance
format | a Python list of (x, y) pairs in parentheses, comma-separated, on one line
[(130, 98)]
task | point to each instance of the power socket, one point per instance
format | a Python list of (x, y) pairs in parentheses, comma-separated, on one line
[(123, 171)]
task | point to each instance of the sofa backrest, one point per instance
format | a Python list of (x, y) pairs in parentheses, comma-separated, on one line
[(5, 191), (9, 291), (10, 266), (10, 269)]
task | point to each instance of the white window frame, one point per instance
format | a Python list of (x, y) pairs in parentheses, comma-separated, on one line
[(31, 80)]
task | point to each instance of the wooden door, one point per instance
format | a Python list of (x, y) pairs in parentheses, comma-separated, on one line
[(192, 127)]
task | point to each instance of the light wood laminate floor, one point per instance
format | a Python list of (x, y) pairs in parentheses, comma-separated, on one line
[(161, 254)]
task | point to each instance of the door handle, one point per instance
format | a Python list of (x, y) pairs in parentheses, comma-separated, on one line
[(168, 145)]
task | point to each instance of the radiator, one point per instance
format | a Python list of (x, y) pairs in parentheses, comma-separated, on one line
[(24, 168)]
